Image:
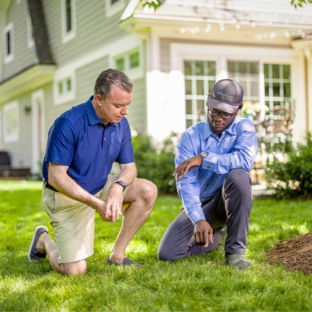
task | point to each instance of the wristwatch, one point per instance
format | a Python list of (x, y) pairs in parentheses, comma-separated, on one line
[(203, 155), (122, 184)]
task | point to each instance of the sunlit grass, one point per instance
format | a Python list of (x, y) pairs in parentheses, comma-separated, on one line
[(201, 283)]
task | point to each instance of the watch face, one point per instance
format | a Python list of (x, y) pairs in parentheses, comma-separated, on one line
[(203, 154)]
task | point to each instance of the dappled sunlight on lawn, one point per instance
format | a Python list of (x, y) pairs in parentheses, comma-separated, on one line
[(301, 228), (17, 185), (134, 247)]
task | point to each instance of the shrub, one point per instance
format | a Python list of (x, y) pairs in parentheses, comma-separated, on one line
[(155, 162), (293, 177)]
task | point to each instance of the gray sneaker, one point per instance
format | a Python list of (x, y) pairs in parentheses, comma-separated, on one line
[(237, 260)]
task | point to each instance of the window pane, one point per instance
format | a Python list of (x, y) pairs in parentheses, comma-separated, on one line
[(187, 68), (68, 16), (120, 64), (276, 89), (275, 69), (200, 87), (68, 83), (189, 106), (211, 68), (199, 68), (60, 87), (231, 68), (266, 70), (242, 67), (134, 59), (286, 71), (287, 89), (188, 86), (8, 43)]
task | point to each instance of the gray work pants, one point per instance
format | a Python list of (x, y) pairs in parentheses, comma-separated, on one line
[(231, 206)]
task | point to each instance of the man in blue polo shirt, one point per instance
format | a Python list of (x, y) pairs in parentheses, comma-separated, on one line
[(83, 144), (212, 164)]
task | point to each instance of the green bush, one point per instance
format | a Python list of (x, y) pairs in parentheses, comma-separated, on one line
[(155, 162), (293, 177)]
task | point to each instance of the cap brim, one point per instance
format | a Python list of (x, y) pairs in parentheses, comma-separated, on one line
[(225, 107)]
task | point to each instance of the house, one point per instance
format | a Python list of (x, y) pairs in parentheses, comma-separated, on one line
[(53, 51)]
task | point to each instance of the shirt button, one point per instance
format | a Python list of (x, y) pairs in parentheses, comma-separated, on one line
[(104, 139)]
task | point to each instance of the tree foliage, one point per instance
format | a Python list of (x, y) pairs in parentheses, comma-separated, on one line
[(155, 4), (300, 3)]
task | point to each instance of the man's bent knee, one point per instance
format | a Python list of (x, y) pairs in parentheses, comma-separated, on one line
[(74, 268)]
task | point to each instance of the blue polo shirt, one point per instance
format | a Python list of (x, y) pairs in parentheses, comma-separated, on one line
[(80, 140)]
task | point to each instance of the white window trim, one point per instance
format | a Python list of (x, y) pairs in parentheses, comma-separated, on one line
[(67, 36), (30, 39), (10, 57), (112, 9), (7, 137), (35, 96), (132, 73), (61, 76)]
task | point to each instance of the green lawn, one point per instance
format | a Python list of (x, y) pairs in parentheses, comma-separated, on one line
[(201, 283)]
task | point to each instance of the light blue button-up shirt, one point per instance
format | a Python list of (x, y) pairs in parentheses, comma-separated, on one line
[(236, 148)]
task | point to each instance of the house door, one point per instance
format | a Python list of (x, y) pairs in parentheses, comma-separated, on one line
[(38, 132)]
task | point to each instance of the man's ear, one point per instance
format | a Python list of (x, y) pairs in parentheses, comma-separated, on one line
[(240, 106), (98, 98)]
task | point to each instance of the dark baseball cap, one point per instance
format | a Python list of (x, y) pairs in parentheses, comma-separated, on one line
[(226, 95)]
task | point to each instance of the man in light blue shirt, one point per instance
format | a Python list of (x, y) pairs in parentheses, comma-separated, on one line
[(213, 161)]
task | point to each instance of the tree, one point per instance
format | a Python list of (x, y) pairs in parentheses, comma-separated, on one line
[(299, 3), (153, 3)]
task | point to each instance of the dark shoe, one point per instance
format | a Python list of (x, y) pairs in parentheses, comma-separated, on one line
[(33, 253), (126, 261), (237, 260)]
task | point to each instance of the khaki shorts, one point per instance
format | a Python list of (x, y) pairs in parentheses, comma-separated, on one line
[(73, 222)]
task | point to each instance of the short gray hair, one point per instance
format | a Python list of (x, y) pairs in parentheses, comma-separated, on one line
[(109, 78)]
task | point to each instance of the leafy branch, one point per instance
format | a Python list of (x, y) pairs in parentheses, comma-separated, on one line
[(299, 3)]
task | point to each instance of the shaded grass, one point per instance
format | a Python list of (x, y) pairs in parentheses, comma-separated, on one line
[(201, 283)]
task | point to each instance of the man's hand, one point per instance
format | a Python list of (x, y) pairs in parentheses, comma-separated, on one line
[(112, 206), (187, 165), (203, 233)]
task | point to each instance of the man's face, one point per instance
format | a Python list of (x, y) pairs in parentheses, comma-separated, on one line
[(220, 120), (114, 107)]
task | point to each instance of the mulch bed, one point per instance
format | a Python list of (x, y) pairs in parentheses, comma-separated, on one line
[(295, 253)]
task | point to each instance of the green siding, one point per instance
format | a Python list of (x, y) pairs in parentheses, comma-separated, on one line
[(86, 76), (93, 29), (137, 110), (23, 56)]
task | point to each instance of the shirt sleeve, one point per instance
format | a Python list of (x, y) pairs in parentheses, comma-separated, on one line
[(126, 154), (188, 186), (242, 155), (61, 143)]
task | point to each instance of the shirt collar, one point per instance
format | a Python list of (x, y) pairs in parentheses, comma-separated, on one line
[(208, 132), (92, 116)]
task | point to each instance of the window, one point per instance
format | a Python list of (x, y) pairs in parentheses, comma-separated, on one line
[(247, 74), (64, 89), (120, 64), (68, 20), (129, 61), (277, 80), (11, 122), (30, 33), (134, 59), (8, 43), (200, 76)]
